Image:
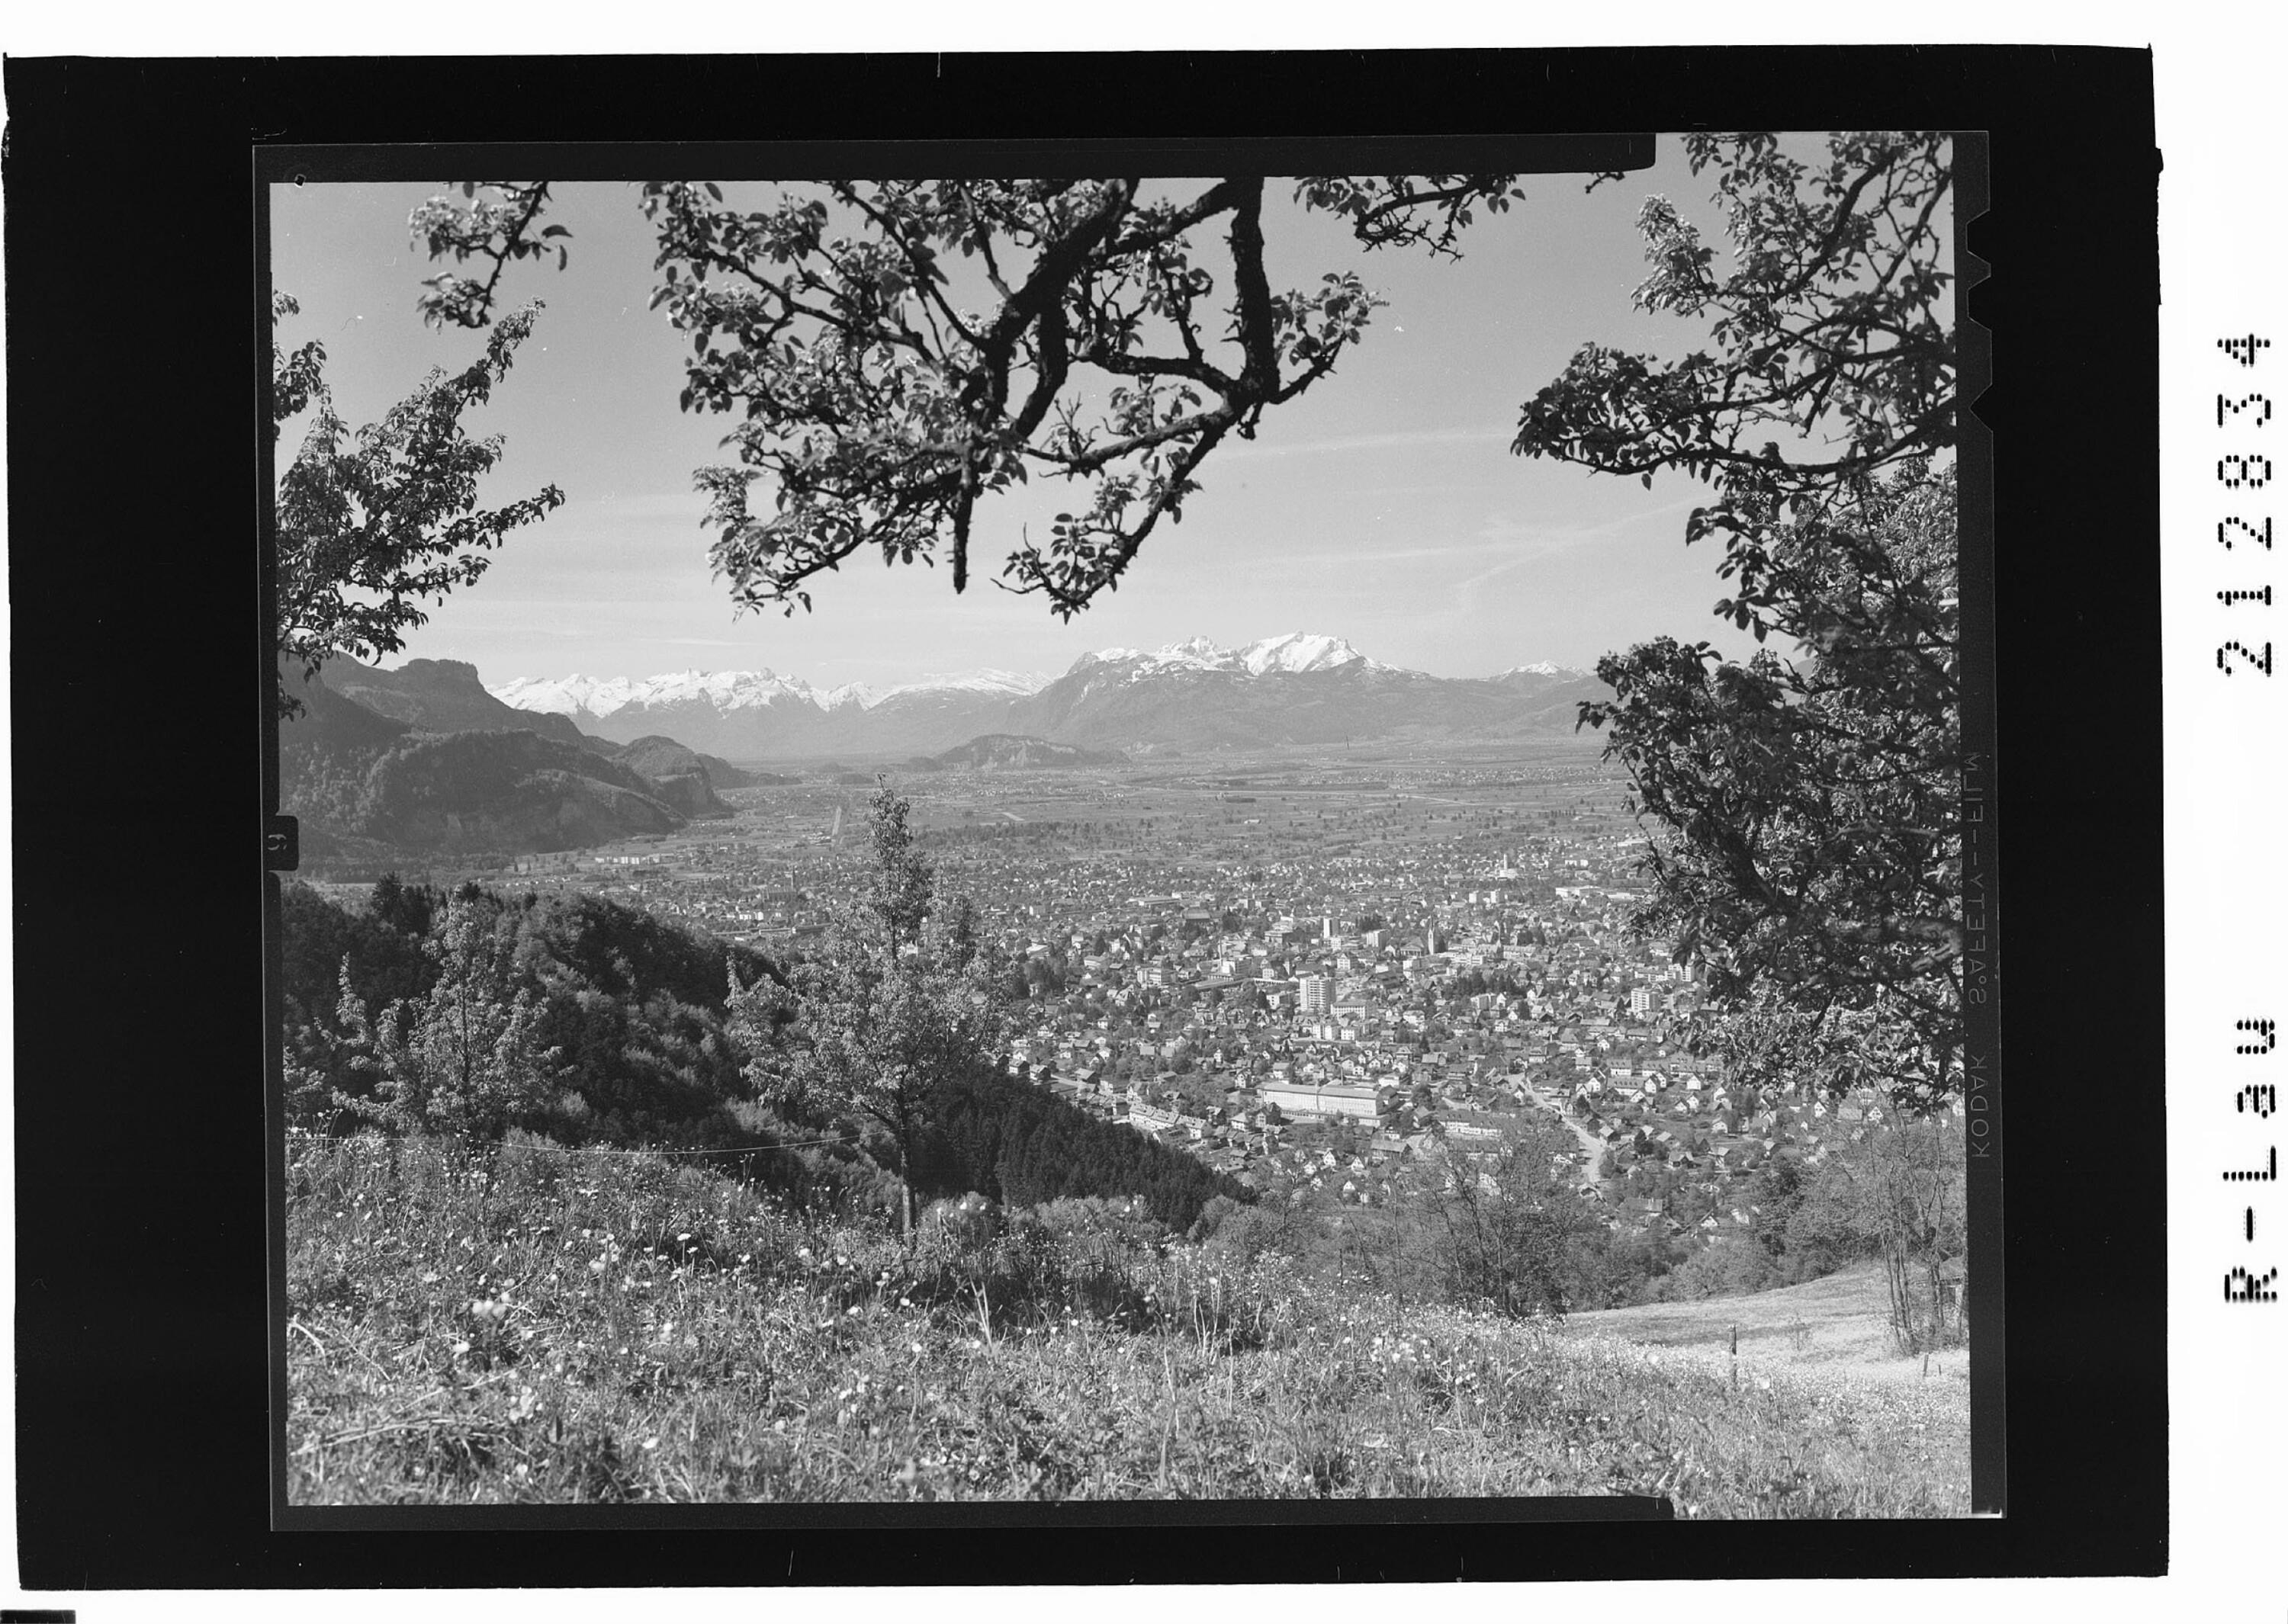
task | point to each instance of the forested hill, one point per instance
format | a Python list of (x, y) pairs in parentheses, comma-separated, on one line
[(1022, 1145), (633, 1005), (631, 1011), (1014, 753), (375, 787), (687, 779)]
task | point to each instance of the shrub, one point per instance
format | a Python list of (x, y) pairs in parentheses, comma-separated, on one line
[(1730, 1265)]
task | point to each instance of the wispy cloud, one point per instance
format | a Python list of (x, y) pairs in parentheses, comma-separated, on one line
[(1392, 555), (1250, 451), (1524, 542), (645, 504), (1502, 541)]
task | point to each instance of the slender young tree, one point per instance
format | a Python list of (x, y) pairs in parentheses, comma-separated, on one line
[(901, 999)]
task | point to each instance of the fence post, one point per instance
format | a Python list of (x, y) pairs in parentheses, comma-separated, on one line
[(1735, 1356)]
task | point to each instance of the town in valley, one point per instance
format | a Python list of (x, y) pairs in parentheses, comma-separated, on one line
[(1304, 969)]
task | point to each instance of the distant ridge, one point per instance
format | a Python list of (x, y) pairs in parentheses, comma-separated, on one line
[(686, 780), (437, 696), (1014, 753), (1302, 689)]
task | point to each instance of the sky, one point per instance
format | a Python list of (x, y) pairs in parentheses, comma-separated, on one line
[(1384, 506)]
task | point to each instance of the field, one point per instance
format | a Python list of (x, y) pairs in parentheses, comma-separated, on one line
[(614, 1330), (1834, 1326), (1824, 1342)]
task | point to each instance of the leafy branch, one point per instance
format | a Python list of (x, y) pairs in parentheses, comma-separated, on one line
[(502, 228), (897, 353), (371, 523), (1804, 806)]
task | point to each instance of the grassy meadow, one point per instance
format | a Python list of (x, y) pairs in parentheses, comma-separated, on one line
[(614, 1328)]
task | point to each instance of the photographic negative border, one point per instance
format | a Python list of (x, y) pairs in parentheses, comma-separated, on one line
[(2071, 244)]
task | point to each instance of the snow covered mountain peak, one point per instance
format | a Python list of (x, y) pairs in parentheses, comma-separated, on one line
[(1014, 684), (1295, 652), (1300, 651), (722, 693), (729, 691), (1198, 650), (598, 696)]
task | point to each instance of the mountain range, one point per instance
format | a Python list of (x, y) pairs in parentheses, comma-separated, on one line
[(424, 758), (1299, 689)]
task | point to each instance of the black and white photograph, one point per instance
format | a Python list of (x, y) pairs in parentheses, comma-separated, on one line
[(1225, 839), (1084, 823)]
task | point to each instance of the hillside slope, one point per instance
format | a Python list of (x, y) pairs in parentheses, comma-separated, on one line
[(505, 792), (1837, 1324), (683, 778), (369, 787), (699, 1341)]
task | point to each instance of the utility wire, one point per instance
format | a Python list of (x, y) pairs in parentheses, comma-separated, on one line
[(734, 1150)]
